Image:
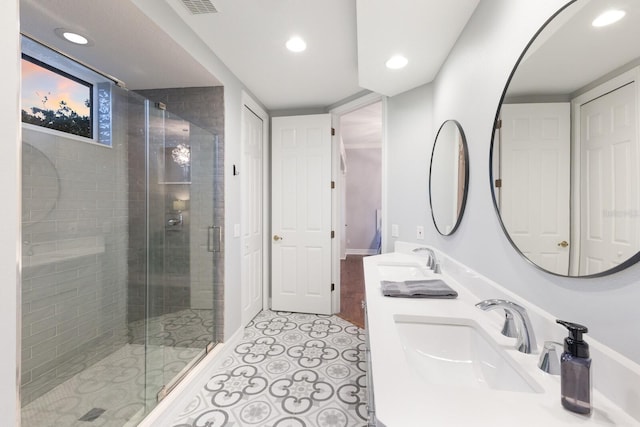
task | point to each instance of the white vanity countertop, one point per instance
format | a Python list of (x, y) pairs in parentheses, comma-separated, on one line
[(403, 399)]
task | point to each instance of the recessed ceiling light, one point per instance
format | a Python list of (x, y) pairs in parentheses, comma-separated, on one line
[(396, 62), (608, 18), (72, 37), (296, 44)]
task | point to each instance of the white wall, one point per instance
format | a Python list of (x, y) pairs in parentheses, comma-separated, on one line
[(409, 141), (468, 88), (9, 247)]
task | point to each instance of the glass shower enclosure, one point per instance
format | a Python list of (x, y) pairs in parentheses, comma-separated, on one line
[(120, 251)]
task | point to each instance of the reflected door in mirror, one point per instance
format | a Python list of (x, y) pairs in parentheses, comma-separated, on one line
[(534, 165), (608, 180)]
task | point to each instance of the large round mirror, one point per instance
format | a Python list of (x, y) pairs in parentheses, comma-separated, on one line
[(448, 177), (565, 159)]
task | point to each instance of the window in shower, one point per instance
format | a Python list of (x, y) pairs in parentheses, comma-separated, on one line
[(54, 99), (61, 95)]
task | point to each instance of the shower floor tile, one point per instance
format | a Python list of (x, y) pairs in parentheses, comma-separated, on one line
[(290, 370), (115, 384)]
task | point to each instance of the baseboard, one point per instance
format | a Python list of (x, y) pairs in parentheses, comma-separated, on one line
[(171, 406), (362, 251)]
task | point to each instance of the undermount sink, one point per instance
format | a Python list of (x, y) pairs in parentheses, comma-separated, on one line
[(401, 271), (458, 352)]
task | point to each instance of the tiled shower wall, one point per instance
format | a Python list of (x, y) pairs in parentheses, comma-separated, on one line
[(75, 222), (203, 106)]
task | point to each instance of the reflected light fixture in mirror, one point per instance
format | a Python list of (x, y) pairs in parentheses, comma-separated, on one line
[(609, 17), (448, 177), (296, 44), (181, 154), (565, 155)]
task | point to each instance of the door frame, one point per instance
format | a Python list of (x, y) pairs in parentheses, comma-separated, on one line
[(247, 101), (606, 86), (336, 200)]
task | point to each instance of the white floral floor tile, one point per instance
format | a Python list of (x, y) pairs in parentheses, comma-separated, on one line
[(290, 370)]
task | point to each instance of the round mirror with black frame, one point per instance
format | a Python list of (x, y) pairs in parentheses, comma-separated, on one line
[(448, 177), (565, 154)]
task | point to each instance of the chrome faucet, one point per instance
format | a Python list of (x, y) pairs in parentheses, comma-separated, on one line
[(526, 342), (509, 329), (432, 262), (549, 361)]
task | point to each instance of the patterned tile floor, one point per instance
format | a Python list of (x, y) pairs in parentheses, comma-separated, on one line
[(290, 370)]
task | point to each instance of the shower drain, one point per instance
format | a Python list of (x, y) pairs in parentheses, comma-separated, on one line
[(92, 414)]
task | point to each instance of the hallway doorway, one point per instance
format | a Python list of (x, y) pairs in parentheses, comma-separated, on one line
[(361, 159), (360, 186)]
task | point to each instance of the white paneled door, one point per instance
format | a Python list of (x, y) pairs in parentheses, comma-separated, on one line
[(535, 192), (301, 214), (609, 180), (252, 213)]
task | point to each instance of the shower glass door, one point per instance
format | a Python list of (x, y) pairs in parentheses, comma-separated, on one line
[(182, 244)]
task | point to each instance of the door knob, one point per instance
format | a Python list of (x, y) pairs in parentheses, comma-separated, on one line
[(563, 244), (276, 237)]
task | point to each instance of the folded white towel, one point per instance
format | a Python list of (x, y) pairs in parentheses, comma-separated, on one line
[(425, 288)]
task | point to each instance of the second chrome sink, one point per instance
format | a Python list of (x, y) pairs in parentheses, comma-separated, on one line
[(401, 271), (458, 352)]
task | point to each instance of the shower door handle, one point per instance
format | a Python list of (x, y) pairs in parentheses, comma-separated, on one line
[(214, 238)]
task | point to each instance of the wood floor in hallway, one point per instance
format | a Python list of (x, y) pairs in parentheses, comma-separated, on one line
[(352, 290)]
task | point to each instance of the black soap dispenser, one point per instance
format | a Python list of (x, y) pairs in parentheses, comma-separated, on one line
[(575, 370)]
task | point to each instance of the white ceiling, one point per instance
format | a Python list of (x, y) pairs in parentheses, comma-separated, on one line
[(249, 36), (126, 44), (348, 42), (421, 30)]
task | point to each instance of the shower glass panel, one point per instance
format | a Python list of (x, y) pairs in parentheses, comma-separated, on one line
[(119, 255)]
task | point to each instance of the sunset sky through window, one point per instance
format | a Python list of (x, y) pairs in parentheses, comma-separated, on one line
[(38, 82)]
